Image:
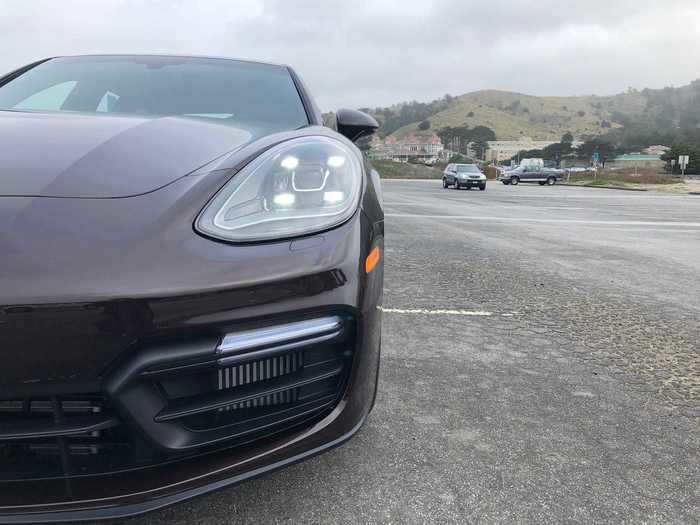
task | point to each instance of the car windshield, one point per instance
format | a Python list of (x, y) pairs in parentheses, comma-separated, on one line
[(226, 90), (468, 168)]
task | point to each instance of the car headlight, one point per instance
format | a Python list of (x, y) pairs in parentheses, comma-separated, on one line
[(298, 187)]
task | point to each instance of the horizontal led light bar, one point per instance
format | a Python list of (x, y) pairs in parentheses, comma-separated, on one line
[(278, 337)]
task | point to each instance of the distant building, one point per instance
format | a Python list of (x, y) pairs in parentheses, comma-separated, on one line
[(504, 150), (412, 147), (378, 149), (636, 160), (656, 150)]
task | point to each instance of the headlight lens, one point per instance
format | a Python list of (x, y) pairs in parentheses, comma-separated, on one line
[(295, 188)]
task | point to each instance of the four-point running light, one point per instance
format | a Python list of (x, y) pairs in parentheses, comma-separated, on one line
[(290, 163)]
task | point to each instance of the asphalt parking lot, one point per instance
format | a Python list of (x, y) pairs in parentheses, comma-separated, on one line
[(541, 363)]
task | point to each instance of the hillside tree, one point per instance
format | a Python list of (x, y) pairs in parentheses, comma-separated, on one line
[(606, 150), (693, 152)]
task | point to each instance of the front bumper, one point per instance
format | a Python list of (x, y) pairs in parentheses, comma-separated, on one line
[(120, 404), (471, 182), (91, 488)]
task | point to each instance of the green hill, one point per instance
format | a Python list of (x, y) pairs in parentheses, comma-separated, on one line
[(513, 115), (631, 121)]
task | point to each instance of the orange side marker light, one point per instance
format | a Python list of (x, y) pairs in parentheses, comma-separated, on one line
[(372, 259)]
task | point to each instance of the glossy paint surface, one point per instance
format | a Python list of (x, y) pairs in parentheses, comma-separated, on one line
[(100, 156)]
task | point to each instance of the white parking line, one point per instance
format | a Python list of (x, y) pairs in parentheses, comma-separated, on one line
[(548, 207), (543, 221), (423, 311), (508, 206)]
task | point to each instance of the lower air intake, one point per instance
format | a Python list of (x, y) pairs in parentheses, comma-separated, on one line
[(251, 383), (51, 437), (179, 399)]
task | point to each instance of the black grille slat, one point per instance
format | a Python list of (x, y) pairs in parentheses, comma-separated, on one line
[(217, 400), (44, 437), (28, 429), (30, 418), (272, 416)]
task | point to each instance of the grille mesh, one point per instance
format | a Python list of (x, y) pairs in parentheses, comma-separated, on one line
[(258, 371)]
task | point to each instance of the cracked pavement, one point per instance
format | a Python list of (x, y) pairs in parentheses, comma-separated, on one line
[(577, 400)]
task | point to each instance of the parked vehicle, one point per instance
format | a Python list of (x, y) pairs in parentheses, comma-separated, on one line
[(190, 277), (530, 173), (463, 176)]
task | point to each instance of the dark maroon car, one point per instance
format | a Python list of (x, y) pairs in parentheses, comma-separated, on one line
[(190, 279)]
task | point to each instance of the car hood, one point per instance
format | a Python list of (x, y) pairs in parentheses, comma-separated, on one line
[(104, 156)]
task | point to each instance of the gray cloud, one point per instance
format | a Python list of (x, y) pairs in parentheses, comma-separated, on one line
[(357, 53)]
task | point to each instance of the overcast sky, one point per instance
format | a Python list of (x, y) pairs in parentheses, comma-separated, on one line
[(355, 53)]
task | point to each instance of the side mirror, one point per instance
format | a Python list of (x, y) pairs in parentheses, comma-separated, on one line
[(355, 124)]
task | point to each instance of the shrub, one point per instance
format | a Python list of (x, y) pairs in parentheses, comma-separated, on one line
[(625, 176)]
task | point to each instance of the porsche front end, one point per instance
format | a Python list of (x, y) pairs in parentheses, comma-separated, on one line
[(156, 345)]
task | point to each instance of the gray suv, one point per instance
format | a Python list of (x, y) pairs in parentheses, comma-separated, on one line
[(463, 176)]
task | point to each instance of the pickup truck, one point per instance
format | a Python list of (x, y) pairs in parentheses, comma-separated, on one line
[(520, 174)]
